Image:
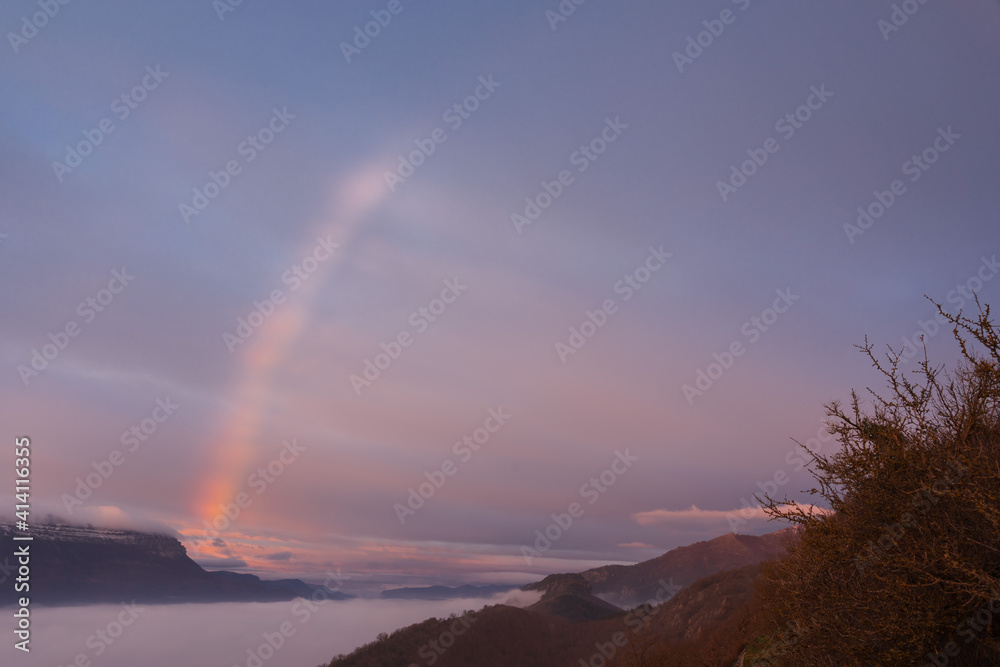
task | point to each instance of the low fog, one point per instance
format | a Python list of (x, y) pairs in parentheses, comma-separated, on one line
[(221, 634)]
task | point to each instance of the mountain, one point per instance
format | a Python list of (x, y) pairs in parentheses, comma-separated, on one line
[(706, 623), (77, 565), (629, 585), (568, 596), (443, 592)]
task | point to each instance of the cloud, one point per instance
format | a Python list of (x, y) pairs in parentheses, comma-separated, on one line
[(112, 517), (668, 516), (222, 633), (636, 545), (695, 513), (279, 555), (518, 598)]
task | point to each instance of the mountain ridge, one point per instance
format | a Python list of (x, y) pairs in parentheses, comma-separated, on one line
[(629, 585), (75, 565), (674, 620)]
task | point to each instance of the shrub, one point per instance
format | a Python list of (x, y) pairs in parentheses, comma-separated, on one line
[(906, 568)]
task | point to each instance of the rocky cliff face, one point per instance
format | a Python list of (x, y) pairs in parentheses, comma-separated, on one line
[(77, 565)]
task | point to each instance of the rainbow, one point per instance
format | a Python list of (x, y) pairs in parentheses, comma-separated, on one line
[(235, 447)]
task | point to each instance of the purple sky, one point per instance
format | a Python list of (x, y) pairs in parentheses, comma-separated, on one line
[(119, 118)]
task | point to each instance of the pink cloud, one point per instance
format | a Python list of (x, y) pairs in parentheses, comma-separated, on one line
[(695, 513)]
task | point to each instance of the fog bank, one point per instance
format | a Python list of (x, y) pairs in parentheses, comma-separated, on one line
[(305, 633)]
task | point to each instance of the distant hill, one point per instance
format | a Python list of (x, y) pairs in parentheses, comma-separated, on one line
[(629, 585), (568, 596), (296, 586), (77, 565)]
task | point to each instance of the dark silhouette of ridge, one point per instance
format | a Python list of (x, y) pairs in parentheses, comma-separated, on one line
[(72, 565)]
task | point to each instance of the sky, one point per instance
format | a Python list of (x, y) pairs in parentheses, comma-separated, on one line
[(393, 302)]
